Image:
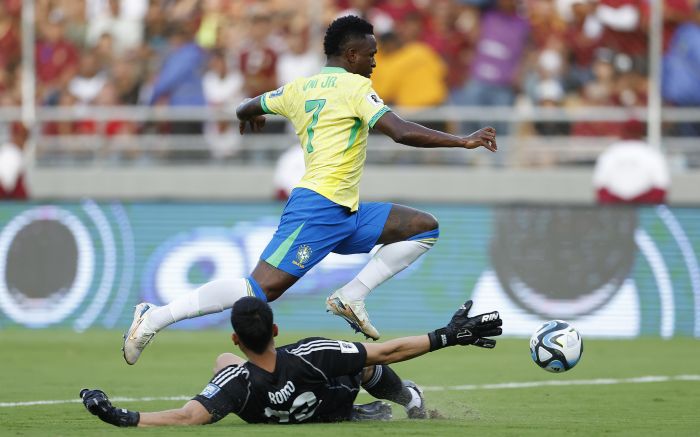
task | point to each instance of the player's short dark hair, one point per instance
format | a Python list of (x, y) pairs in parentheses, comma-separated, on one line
[(342, 30), (251, 319)]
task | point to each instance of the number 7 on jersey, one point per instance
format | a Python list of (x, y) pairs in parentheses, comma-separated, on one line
[(316, 106)]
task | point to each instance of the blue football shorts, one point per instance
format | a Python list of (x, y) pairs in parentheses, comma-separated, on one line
[(313, 226)]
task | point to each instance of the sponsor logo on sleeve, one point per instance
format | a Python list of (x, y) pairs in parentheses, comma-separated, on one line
[(210, 390), (374, 99), (348, 348)]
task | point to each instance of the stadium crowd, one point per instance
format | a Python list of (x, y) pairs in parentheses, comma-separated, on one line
[(548, 53)]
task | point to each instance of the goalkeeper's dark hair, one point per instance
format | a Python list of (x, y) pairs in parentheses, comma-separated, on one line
[(252, 319), (342, 30)]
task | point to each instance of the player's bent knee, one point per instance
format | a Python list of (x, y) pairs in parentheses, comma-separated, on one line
[(271, 281), (428, 222), (367, 373), (427, 230)]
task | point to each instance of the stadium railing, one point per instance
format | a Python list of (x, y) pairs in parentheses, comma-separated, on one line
[(521, 147)]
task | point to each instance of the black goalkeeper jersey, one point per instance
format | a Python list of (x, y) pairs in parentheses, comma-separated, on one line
[(315, 380)]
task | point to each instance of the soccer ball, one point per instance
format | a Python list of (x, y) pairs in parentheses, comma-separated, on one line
[(556, 346)]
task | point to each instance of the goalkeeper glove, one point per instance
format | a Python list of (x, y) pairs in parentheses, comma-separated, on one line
[(97, 402), (465, 330)]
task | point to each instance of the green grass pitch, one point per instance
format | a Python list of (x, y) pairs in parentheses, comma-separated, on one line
[(55, 365)]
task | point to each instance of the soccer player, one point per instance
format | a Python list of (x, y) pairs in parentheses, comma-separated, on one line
[(314, 380), (332, 113)]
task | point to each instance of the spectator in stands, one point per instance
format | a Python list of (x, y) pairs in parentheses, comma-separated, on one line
[(289, 170), (550, 94), (223, 88), (179, 80), (12, 165), (545, 22), (56, 58), (681, 73), (299, 60), (676, 13), (623, 31), (113, 17), (582, 38), (451, 43), (549, 66), (397, 10), (599, 92), (213, 18), (10, 49), (496, 64), (409, 72), (630, 171), (258, 59), (125, 75), (155, 26), (87, 84), (366, 9)]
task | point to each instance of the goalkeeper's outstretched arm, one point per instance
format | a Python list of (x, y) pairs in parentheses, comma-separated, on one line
[(192, 413), (461, 330), (97, 403)]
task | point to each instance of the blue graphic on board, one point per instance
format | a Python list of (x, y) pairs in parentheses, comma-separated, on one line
[(620, 272)]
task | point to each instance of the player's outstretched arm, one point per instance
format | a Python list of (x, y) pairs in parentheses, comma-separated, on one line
[(192, 413), (97, 403), (461, 330), (250, 112), (413, 134)]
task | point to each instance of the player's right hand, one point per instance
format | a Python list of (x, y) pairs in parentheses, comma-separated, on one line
[(465, 330), (484, 137), (256, 123), (473, 330), (97, 403)]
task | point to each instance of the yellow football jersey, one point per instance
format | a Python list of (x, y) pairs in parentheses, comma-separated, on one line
[(331, 113)]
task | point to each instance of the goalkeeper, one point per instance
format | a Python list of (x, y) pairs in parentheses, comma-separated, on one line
[(314, 380)]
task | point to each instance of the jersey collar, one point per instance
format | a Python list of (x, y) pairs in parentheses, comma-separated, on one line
[(328, 70)]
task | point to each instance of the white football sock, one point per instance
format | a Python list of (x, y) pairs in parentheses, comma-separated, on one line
[(415, 400), (389, 260), (212, 297)]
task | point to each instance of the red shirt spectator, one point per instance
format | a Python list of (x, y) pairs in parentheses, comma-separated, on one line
[(10, 50), (580, 41), (398, 9), (441, 34), (56, 58), (258, 61)]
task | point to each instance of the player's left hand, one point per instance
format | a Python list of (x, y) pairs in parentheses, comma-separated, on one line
[(97, 403), (256, 124), (484, 137)]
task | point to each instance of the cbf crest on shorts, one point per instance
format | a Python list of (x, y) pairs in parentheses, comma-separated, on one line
[(303, 255)]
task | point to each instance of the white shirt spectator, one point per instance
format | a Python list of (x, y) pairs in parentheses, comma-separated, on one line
[(291, 66), (629, 169), (289, 170), (125, 26), (227, 90), (381, 21), (86, 89), (11, 165), (128, 9)]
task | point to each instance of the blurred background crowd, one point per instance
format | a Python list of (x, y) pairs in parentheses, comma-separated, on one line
[(465, 53)]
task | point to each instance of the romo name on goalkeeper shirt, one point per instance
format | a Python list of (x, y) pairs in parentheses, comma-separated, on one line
[(315, 380)]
